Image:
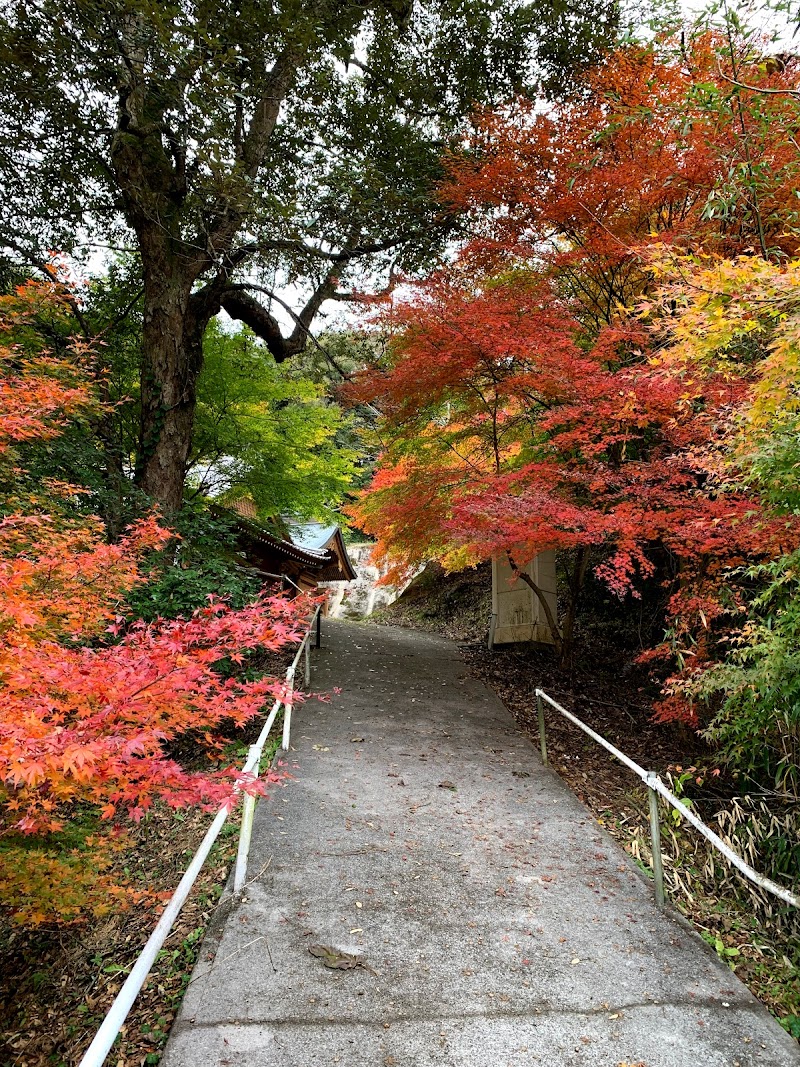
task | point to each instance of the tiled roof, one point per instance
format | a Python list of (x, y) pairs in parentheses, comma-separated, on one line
[(311, 534), (309, 544)]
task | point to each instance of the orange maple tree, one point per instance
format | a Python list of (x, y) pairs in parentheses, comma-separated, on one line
[(91, 700), (661, 144)]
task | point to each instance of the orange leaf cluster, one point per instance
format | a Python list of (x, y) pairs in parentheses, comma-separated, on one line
[(640, 154), (92, 723), (90, 702)]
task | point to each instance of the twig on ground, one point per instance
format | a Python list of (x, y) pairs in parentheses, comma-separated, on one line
[(256, 878)]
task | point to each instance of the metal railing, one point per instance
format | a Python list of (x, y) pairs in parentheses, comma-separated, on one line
[(656, 788), (105, 1037)]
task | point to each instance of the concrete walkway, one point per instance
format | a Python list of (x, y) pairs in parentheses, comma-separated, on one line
[(497, 923)]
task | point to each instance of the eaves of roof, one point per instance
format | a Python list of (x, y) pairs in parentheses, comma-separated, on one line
[(310, 557)]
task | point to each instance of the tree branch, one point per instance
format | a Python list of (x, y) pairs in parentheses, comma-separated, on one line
[(343, 374), (755, 88), (552, 622), (240, 304), (344, 255), (230, 211), (265, 115), (244, 307)]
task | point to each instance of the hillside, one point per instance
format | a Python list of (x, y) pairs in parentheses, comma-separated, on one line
[(457, 606)]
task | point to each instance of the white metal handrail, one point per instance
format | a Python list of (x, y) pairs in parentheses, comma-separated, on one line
[(656, 786), (105, 1037), (256, 750)]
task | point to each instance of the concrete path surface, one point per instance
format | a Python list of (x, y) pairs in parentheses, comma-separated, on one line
[(496, 922)]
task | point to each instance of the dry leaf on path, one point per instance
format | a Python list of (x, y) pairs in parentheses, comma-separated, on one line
[(338, 961)]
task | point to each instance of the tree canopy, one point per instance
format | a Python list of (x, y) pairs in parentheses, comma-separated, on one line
[(609, 368), (240, 149), (267, 433)]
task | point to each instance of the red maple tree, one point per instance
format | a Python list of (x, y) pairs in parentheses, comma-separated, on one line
[(91, 701), (525, 406), (661, 144), (506, 434)]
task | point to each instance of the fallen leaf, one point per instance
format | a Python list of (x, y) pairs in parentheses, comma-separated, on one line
[(338, 961)]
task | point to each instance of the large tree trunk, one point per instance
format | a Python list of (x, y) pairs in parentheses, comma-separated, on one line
[(172, 357), (148, 156)]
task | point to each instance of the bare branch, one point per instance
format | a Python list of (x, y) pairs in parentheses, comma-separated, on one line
[(240, 304), (244, 307), (344, 255), (310, 336), (756, 88)]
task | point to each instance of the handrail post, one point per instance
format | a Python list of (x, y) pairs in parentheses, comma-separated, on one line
[(246, 828), (287, 710), (542, 732), (655, 841), (657, 788), (95, 1055), (307, 664), (318, 642)]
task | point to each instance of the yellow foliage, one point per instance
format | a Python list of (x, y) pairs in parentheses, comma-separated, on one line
[(736, 318), (41, 886)]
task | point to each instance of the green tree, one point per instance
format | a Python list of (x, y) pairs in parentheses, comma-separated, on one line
[(265, 432), (755, 691), (237, 148)]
